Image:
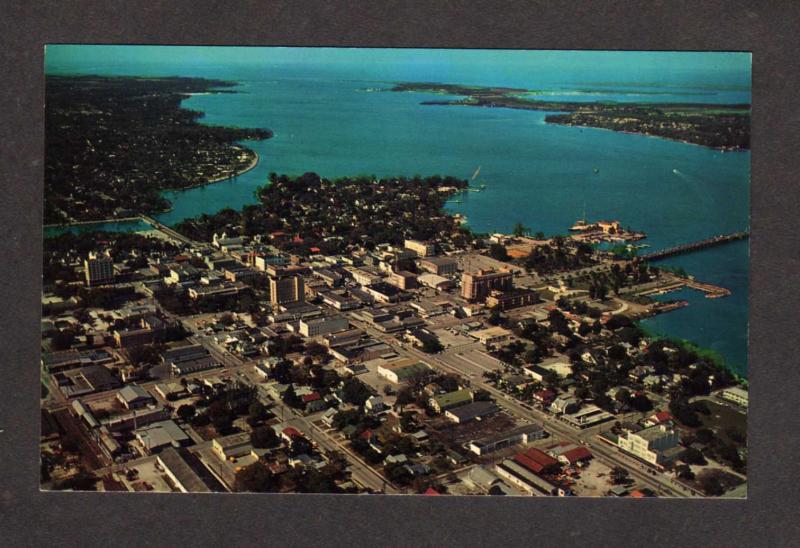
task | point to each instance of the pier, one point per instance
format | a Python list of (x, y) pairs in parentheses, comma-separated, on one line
[(695, 246)]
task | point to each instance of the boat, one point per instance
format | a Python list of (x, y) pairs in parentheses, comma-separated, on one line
[(483, 187), (596, 170)]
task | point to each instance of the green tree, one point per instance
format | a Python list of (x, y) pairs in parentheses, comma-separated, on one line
[(264, 437), (255, 478), (520, 229), (186, 412)]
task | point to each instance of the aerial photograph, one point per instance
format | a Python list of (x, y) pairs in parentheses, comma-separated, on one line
[(395, 271)]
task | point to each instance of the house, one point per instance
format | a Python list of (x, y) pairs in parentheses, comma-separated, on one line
[(374, 404), (659, 417), (443, 402), (544, 397)]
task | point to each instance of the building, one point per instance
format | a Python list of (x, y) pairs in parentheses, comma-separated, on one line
[(537, 461), (519, 476), (134, 396), (514, 298), (422, 249), (98, 269), (183, 360), (232, 447), (587, 416), (187, 473), (136, 418), (471, 411), (401, 370), (491, 335), (435, 281), (476, 286), (160, 435), (441, 266), (443, 402), (339, 301), (735, 395), (286, 289), (322, 326), (403, 279), (655, 445), (523, 434)]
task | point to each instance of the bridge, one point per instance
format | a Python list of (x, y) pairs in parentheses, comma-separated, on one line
[(169, 232), (694, 246)]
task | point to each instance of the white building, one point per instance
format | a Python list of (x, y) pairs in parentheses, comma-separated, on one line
[(322, 326), (736, 395), (652, 444)]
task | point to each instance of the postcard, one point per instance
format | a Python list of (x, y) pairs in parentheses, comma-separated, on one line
[(396, 271)]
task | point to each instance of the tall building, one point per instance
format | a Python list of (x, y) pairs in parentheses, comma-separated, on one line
[(286, 289), (476, 286), (99, 269)]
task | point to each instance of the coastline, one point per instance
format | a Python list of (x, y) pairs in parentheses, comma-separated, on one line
[(252, 165)]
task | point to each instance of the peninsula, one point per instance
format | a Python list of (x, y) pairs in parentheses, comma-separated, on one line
[(724, 127), (113, 144)]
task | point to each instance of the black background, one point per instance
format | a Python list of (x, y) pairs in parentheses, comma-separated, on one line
[(767, 518)]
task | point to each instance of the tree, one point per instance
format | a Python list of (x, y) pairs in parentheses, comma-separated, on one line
[(619, 475), (264, 437), (498, 252), (62, 340), (710, 483), (683, 471), (693, 456), (520, 229), (255, 478), (431, 346), (291, 398), (186, 412)]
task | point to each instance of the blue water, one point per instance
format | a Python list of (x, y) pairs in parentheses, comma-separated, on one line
[(542, 175), (116, 226)]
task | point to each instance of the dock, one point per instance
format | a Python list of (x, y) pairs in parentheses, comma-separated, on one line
[(695, 246)]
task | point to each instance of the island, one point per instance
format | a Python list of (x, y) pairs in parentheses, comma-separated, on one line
[(113, 144), (724, 127)]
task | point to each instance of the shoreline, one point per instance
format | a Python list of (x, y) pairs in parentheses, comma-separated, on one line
[(251, 166)]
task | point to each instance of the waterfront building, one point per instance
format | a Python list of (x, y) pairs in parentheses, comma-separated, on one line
[(98, 269), (475, 286), (735, 395), (286, 289)]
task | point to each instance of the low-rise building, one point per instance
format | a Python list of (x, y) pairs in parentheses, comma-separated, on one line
[(401, 370), (523, 434), (513, 298), (134, 396), (450, 400), (233, 446), (422, 249), (471, 411)]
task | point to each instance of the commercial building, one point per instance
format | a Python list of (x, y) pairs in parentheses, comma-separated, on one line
[(422, 249), (491, 335), (160, 435), (655, 445), (401, 370), (322, 326), (134, 396), (187, 473), (523, 434), (471, 411), (477, 285), (519, 476), (435, 281), (514, 298), (441, 266), (403, 279), (98, 269), (233, 446), (443, 402), (339, 301), (286, 289), (587, 416)]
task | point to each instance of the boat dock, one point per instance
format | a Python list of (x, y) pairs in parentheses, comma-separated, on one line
[(694, 246)]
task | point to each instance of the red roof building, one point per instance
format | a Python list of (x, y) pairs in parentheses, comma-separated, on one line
[(536, 461), (313, 396), (545, 396), (431, 491), (290, 432), (577, 454)]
